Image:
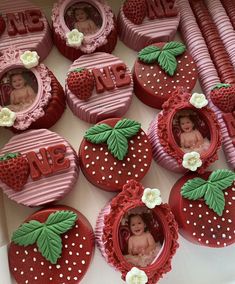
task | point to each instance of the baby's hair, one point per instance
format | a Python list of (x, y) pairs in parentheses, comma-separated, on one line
[(188, 116), (85, 9), (11, 75), (139, 215)]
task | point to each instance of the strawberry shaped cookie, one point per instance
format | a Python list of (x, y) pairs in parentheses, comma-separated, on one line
[(160, 69), (14, 170), (54, 245), (114, 151), (81, 83), (203, 207), (223, 96)]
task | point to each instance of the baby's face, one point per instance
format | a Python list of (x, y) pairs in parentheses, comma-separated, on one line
[(186, 124), (137, 225), (17, 81), (80, 15)]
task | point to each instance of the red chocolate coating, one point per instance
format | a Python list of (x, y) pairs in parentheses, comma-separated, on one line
[(153, 86), (200, 224), (103, 170), (27, 265)]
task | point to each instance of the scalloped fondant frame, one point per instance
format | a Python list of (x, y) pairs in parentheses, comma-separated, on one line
[(128, 199), (91, 42), (11, 60), (177, 102)]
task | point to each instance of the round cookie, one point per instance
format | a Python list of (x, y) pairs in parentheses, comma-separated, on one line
[(83, 27), (30, 95), (185, 135), (114, 151), (26, 28), (111, 85), (141, 23), (203, 207), (116, 230), (53, 245), (160, 69), (45, 170)]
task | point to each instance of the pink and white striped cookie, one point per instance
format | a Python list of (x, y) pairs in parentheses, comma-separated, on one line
[(47, 163), (141, 23), (26, 28), (112, 89)]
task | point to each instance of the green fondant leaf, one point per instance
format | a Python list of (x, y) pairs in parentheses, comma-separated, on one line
[(9, 156), (174, 48), (222, 179), (149, 54), (194, 189), (117, 145), (50, 245), (98, 133), (221, 85), (167, 62), (214, 198), (127, 127), (27, 233), (61, 221)]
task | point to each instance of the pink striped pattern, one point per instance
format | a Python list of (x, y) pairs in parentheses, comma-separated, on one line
[(39, 41), (150, 31), (207, 73), (108, 104), (46, 189)]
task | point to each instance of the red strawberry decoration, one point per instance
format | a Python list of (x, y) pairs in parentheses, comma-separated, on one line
[(54, 245), (14, 170), (204, 207), (2, 25), (223, 96), (160, 69), (135, 10), (81, 83), (114, 151)]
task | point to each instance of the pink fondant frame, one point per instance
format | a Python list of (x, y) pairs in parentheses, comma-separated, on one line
[(128, 199), (91, 42), (177, 102), (11, 60)]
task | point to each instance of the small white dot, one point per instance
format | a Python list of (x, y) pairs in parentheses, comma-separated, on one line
[(42, 273), (223, 235), (68, 277), (50, 278), (22, 272), (93, 149), (184, 209), (77, 235), (26, 252), (86, 147), (116, 181), (66, 246), (75, 278), (97, 158), (35, 249), (79, 271), (31, 269), (58, 266), (81, 246), (69, 268), (191, 205), (23, 260), (87, 156), (92, 162), (66, 236), (61, 275), (35, 278), (188, 222), (110, 176), (87, 253), (194, 224), (42, 263), (83, 262), (229, 220), (50, 267), (34, 259), (74, 263), (129, 173), (218, 243), (70, 253), (15, 269), (66, 261)]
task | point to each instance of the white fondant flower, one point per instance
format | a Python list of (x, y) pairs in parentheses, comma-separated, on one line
[(136, 276), (192, 161), (151, 197), (7, 117), (198, 100), (74, 38), (30, 59)]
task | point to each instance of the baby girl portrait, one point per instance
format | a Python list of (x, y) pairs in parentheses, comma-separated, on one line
[(143, 243), (18, 90), (191, 136), (83, 17)]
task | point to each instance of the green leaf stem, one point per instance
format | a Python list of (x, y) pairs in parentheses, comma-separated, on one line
[(46, 235), (164, 56), (211, 190), (116, 137)]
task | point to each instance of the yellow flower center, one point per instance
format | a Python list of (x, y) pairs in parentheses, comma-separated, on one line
[(192, 161), (136, 279), (150, 196)]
